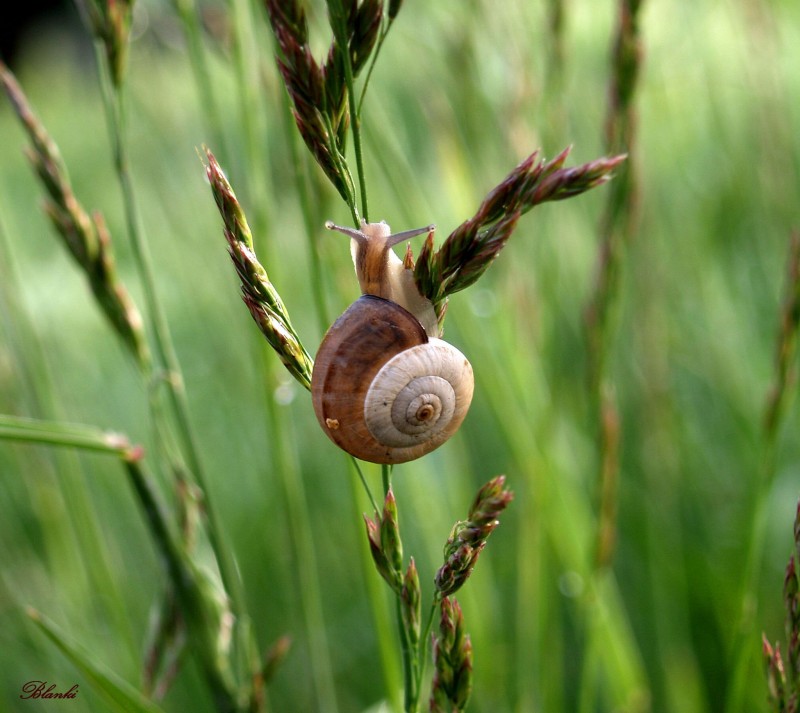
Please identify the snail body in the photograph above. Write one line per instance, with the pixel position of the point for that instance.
(383, 389)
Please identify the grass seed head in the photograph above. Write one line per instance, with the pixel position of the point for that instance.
(452, 660)
(259, 294)
(86, 237)
(471, 248)
(468, 537)
(110, 22)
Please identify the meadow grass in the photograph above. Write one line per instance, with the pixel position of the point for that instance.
(460, 94)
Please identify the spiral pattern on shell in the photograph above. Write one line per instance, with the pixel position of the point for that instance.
(382, 390)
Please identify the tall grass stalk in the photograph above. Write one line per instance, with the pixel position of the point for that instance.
(338, 18)
(188, 12)
(301, 525)
(744, 643)
(248, 67)
(617, 228)
(114, 103)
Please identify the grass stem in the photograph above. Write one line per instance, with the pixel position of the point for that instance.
(114, 104)
(744, 643)
(193, 31)
(56, 433)
(300, 523)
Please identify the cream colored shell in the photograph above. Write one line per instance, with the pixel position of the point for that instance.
(419, 396)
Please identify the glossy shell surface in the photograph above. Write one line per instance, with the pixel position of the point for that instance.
(382, 390)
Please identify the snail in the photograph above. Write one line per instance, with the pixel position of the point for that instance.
(385, 388)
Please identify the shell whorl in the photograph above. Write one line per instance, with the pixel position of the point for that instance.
(419, 396)
(382, 390)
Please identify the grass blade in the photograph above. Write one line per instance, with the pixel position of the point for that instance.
(120, 696)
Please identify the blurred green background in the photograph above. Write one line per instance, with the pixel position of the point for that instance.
(461, 93)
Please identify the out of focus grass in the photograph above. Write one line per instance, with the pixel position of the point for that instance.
(462, 92)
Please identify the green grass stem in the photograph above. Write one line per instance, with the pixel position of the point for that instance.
(745, 648)
(300, 519)
(209, 108)
(55, 433)
(114, 104)
(311, 217)
(339, 26)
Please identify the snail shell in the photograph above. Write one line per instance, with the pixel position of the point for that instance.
(382, 389)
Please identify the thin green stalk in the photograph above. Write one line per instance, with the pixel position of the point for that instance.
(113, 101)
(57, 433)
(355, 125)
(422, 657)
(744, 646)
(339, 27)
(115, 112)
(310, 222)
(193, 31)
(378, 602)
(386, 478)
(365, 484)
(300, 524)
(409, 660)
(616, 231)
(372, 63)
(247, 67)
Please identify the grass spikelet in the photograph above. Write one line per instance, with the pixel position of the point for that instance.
(411, 604)
(258, 293)
(323, 97)
(452, 660)
(385, 544)
(110, 22)
(86, 238)
(469, 250)
(316, 92)
(468, 537)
